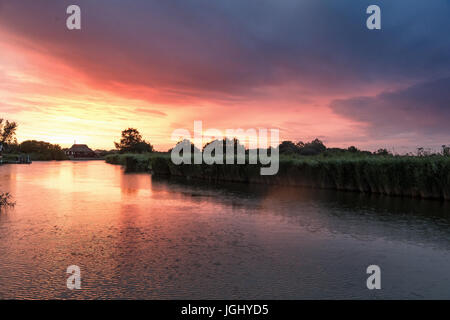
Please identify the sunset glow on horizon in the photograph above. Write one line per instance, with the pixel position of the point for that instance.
(135, 67)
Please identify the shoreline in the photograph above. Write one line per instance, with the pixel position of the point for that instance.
(72, 160)
(406, 176)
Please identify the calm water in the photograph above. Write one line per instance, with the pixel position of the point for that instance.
(135, 236)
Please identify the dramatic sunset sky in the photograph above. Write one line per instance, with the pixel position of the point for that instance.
(308, 67)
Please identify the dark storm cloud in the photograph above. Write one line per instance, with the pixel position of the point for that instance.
(422, 109)
(220, 48)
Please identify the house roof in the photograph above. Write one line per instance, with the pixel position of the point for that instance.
(80, 148)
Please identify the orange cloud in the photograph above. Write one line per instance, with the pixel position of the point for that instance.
(54, 102)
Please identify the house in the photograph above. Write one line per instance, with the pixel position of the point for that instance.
(80, 151)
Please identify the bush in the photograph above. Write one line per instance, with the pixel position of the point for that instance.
(312, 148)
(5, 200)
(40, 150)
(288, 147)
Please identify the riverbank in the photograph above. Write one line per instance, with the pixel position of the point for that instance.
(15, 157)
(421, 177)
(24, 158)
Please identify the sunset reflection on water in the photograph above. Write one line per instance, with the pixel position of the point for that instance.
(135, 236)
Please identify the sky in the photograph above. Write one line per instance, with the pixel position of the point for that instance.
(309, 68)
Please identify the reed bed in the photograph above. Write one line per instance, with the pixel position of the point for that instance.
(423, 177)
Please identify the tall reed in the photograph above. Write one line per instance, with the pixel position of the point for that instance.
(424, 177)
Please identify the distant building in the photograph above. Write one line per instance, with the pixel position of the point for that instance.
(80, 151)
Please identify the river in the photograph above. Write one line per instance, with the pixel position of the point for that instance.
(137, 237)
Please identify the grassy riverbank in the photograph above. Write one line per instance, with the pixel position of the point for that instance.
(425, 177)
(135, 162)
(12, 157)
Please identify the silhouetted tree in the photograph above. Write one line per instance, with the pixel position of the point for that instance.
(132, 142)
(41, 150)
(7, 133)
(313, 148)
(382, 152)
(288, 147)
(186, 142)
(231, 143)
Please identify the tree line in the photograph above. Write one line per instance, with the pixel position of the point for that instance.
(132, 142)
(39, 150)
